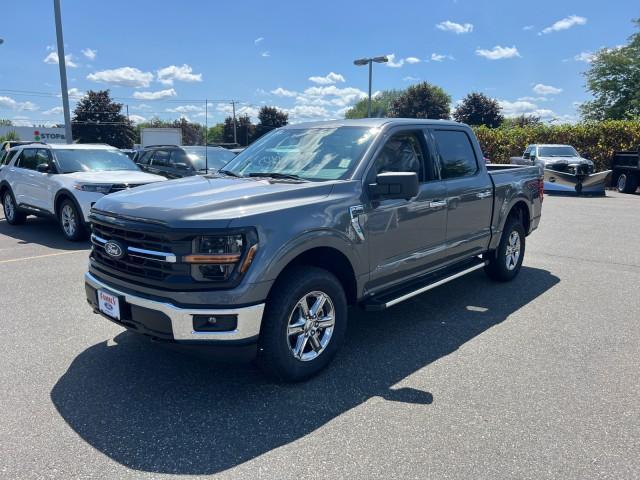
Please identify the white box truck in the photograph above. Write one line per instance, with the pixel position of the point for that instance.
(160, 136)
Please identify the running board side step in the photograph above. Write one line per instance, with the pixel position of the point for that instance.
(422, 284)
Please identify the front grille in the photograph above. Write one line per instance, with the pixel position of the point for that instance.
(118, 187)
(140, 262)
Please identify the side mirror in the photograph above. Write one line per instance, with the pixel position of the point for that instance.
(395, 185)
(526, 156)
(43, 168)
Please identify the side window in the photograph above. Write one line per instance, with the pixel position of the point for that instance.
(42, 156)
(179, 156)
(161, 158)
(403, 152)
(27, 159)
(143, 158)
(457, 158)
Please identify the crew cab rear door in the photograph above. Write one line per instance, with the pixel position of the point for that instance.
(469, 192)
(405, 237)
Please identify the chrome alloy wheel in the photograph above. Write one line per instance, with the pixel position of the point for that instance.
(69, 220)
(9, 207)
(512, 253)
(310, 326)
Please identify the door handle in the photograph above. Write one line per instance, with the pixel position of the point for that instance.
(437, 204)
(484, 194)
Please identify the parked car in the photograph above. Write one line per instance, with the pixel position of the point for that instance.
(173, 161)
(64, 181)
(4, 150)
(626, 170)
(564, 169)
(263, 257)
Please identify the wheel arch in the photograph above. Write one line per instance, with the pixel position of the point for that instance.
(63, 195)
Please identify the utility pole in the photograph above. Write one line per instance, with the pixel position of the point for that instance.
(128, 119)
(63, 72)
(235, 138)
(206, 136)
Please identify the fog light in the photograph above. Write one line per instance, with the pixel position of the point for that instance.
(215, 323)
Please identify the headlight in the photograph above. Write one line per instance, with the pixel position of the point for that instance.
(219, 257)
(98, 188)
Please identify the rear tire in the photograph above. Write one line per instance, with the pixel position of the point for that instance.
(11, 212)
(70, 221)
(505, 263)
(298, 336)
(627, 183)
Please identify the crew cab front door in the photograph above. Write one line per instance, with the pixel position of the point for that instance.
(469, 193)
(405, 237)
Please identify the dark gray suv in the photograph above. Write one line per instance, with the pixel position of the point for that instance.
(264, 256)
(174, 161)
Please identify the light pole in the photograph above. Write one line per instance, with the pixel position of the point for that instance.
(63, 72)
(369, 61)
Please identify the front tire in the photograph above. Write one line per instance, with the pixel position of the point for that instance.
(11, 212)
(70, 222)
(505, 263)
(627, 183)
(304, 324)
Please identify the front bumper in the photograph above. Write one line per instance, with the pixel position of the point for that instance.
(166, 321)
(564, 182)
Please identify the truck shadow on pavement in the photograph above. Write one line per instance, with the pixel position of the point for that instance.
(40, 231)
(160, 410)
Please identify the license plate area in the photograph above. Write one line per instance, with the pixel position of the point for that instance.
(109, 304)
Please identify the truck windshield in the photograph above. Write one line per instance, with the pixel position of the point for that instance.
(315, 154)
(564, 151)
(86, 160)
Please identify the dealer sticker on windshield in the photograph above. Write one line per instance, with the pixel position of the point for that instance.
(109, 304)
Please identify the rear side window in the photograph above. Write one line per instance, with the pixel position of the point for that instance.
(28, 159)
(457, 158)
(143, 158)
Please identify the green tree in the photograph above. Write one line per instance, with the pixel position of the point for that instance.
(380, 105)
(522, 121)
(245, 130)
(10, 136)
(270, 118)
(98, 119)
(216, 133)
(478, 109)
(5, 122)
(614, 81)
(192, 133)
(422, 100)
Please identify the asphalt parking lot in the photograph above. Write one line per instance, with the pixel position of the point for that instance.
(538, 378)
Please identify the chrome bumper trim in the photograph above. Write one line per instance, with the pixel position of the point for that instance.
(249, 318)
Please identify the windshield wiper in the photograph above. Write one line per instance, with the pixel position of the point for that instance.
(230, 173)
(287, 176)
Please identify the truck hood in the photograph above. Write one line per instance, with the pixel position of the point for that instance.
(117, 176)
(180, 203)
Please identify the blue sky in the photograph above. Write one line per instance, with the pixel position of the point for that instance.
(165, 58)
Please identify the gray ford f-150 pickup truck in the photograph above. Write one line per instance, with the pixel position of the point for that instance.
(264, 256)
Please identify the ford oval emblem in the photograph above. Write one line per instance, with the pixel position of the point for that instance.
(114, 249)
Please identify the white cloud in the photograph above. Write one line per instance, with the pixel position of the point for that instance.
(186, 109)
(307, 112)
(143, 107)
(409, 78)
(53, 111)
(136, 118)
(457, 28)
(258, 40)
(392, 61)
(21, 121)
(498, 52)
(412, 60)
(266, 54)
(328, 79)
(528, 27)
(520, 107)
(283, 92)
(533, 99)
(157, 95)
(330, 95)
(438, 57)
(542, 89)
(89, 53)
(168, 75)
(227, 109)
(52, 59)
(123, 76)
(564, 24)
(51, 48)
(11, 104)
(586, 57)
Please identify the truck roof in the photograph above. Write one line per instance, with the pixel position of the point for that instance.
(70, 146)
(370, 122)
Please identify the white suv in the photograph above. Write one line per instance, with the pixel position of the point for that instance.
(64, 181)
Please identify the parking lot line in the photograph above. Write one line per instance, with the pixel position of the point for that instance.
(41, 256)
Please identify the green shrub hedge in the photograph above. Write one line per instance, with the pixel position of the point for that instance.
(595, 140)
